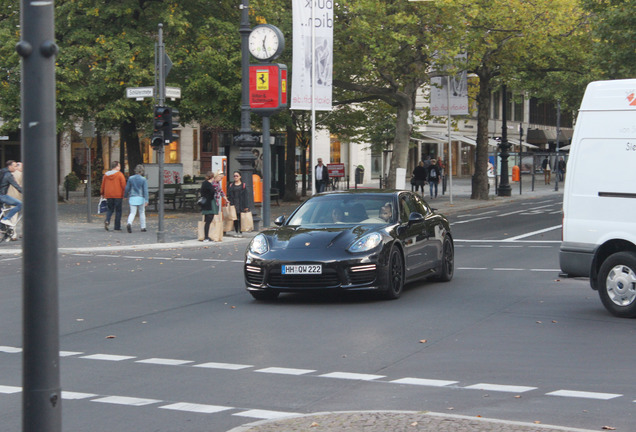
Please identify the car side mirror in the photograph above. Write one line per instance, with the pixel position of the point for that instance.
(280, 220)
(415, 217)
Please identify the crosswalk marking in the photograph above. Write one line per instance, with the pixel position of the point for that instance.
(500, 388)
(265, 414)
(584, 394)
(164, 361)
(10, 350)
(10, 389)
(424, 382)
(107, 357)
(77, 395)
(352, 376)
(285, 371)
(124, 400)
(198, 408)
(229, 366)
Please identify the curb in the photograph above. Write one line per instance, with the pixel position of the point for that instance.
(415, 420)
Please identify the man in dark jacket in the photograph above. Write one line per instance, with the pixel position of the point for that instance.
(7, 179)
(322, 176)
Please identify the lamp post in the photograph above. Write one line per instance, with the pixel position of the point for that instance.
(504, 186)
(556, 159)
(246, 140)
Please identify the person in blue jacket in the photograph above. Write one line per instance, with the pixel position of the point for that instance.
(137, 193)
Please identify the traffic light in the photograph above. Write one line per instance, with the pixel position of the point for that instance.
(157, 141)
(163, 122)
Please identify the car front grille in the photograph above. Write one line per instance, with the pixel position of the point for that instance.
(328, 279)
(254, 275)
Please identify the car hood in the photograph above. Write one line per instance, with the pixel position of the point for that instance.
(295, 237)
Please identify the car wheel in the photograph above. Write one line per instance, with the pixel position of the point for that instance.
(617, 284)
(447, 268)
(395, 275)
(265, 295)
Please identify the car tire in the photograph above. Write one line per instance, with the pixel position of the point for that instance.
(265, 295)
(395, 275)
(617, 284)
(447, 267)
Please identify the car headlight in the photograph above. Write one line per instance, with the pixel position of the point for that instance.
(366, 243)
(259, 245)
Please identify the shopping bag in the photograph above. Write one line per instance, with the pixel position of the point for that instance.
(228, 225)
(247, 223)
(216, 228)
(229, 212)
(102, 206)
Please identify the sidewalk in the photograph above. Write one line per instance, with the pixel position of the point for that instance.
(75, 234)
(395, 421)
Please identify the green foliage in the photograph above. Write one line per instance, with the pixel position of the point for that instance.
(71, 181)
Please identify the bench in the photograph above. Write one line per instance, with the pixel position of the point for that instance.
(274, 195)
(171, 193)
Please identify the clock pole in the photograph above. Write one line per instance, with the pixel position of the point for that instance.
(246, 139)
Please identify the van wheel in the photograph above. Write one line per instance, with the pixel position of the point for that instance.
(617, 284)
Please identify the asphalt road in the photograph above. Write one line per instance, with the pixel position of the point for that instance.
(169, 340)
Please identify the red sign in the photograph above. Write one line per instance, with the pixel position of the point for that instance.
(336, 170)
(268, 87)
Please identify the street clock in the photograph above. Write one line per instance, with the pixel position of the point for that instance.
(266, 42)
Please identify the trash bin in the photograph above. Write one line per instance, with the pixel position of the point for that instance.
(515, 173)
(359, 174)
(257, 186)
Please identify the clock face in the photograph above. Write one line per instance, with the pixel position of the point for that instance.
(265, 42)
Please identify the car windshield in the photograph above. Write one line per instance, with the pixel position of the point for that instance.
(337, 209)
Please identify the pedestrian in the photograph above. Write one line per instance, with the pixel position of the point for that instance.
(547, 170)
(434, 175)
(420, 175)
(560, 168)
(237, 196)
(113, 187)
(212, 191)
(15, 193)
(321, 175)
(7, 179)
(137, 193)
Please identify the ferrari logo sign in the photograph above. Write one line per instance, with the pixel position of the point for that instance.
(262, 80)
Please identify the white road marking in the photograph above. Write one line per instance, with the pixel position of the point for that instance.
(132, 257)
(198, 408)
(265, 414)
(507, 269)
(352, 376)
(533, 233)
(124, 400)
(479, 214)
(76, 395)
(584, 394)
(482, 246)
(500, 388)
(424, 382)
(70, 353)
(164, 361)
(470, 220)
(107, 357)
(228, 366)
(472, 268)
(10, 389)
(285, 371)
(10, 350)
(511, 213)
(545, 270)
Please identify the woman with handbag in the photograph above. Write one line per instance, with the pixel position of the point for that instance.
(237, 196)
(211, 196)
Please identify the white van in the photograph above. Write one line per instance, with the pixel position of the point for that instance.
(599, 198)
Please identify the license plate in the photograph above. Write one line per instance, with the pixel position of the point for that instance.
(300, 269)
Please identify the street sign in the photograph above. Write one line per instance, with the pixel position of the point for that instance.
(139, 92)
(173, 92)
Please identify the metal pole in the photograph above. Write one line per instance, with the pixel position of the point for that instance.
(313, 102)
(89, 186)
(450, 144)
(161, 97)
(267, 171)
(558, 132)
(41, 391)
(504, 186)
(246, 140)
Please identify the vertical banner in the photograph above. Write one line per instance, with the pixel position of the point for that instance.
(458, 95)
(302, 65)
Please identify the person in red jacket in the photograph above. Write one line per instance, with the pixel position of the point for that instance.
(113, 187)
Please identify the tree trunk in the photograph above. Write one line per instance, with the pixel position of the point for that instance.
(131, 139)
(290, 166)
(480, 178)
(399, 158)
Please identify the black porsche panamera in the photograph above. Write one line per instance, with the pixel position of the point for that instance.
(362, 240)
